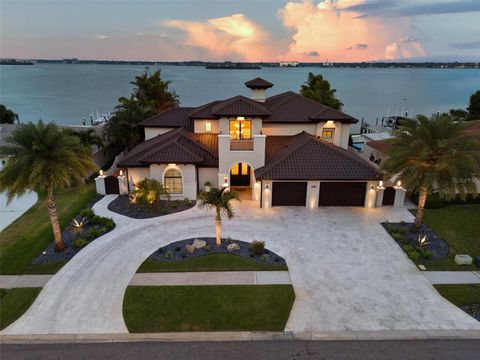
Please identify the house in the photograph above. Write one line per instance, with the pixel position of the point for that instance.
(282, 150)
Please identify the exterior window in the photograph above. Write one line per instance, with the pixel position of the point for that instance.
(244, 169)
(327, 134)
(208, 127)
(240, 129)
(235, 169)
(173, 181)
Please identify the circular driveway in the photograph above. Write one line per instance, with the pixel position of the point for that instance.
(348, 274)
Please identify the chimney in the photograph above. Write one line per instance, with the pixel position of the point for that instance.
(258, 87)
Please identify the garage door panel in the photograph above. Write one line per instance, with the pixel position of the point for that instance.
(289, 193)
(342, 194)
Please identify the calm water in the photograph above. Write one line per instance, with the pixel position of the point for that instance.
(65, 93)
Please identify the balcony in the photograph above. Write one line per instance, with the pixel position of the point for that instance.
(241, 145)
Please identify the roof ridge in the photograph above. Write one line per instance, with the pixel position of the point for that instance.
(189, 134)
(282, 101)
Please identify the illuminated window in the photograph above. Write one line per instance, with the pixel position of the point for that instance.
(173, 181)
(244, 169)
(208, 127)
(240, 129)
(327, 133)
(235, 170)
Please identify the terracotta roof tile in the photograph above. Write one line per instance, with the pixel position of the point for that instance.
(239, 106)
(305, 157)
(176, 117)
(379, 145)
(258, 83)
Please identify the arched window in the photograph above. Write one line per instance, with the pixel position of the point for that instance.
(173, 181)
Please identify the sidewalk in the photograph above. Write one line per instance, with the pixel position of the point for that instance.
(453, 277)
(170, 279)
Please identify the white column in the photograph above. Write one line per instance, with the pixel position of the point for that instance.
(380, 192)
(122, 184)
(100, 185)
(313, 189)
(267, 194)
(399, 196)
(371, 194)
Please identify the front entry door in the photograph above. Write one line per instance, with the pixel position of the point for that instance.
(240, 175)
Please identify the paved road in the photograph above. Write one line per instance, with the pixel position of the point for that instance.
(275, 350)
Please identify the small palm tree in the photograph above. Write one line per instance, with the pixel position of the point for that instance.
(318, 89)
(43, 157)
(434, 155)
(88, 138)
(219, 199)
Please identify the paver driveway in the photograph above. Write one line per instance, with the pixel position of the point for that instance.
(347, 273)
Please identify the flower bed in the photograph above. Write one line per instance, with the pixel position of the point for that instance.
(84, 229)
(473, 310)
(410, 241)
(180, 250)
(123, 206)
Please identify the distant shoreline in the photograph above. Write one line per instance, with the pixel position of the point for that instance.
(254, 65)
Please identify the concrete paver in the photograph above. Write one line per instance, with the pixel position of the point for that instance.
(452, 277)
(347, 273)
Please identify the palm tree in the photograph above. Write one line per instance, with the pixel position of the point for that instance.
(87, 137)
(318, 89)
(220, 200)
(43, 157)
(434, 155)
(7, 116)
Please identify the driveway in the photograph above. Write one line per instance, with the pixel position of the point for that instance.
(346, 271)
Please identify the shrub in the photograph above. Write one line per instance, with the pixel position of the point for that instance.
(87, 213)
(148, 191)
(425, 254)
(92, 234)
(257, 247)
(168, 255)
(413, 255)
(178, 248)
(174, 205)
(187, 202)
(408, 248)
(78, 225)
(208, 247)
(80, 242)
(264, 257)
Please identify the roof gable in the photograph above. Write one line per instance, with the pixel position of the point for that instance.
(239, 105)
(258, 83)
(176, 117)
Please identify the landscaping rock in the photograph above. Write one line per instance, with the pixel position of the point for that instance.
(199, 244)
(233, 247)
(463, 259)
(190, 249)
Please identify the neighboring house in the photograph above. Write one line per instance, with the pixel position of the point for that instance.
(279, 150)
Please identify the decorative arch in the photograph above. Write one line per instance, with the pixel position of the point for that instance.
(173, 180)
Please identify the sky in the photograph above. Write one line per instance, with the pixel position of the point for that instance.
(246, 30)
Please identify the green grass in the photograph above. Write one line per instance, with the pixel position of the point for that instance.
(214, 262)
(27, 236)
(14, 302)
(458, 225)
(460, 295)
(207, 308)
(45, 269)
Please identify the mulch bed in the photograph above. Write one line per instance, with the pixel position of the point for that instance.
(472, 310)
(122, 205)
(176, 251)
(438, 247)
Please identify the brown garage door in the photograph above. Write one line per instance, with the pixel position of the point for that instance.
(289, 193)
(342, 194)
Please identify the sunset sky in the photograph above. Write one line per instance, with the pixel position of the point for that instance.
(296, 30)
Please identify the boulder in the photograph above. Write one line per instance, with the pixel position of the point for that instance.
(190, 249)
(463, 259)
(199, 244)
(233, 247)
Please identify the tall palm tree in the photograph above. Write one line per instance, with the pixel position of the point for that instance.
(219, 199)
(7, 116)
(318, 89)
(434, 155)
(43, 157)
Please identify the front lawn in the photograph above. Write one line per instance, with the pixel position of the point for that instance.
(214, 262)
(466, 297)
(14, 302)
(459, 226)
(27, 236)
(207, 308)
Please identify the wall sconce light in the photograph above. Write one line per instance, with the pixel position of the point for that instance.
(240, 117)
(371, 187)
(266, 187)
(380, 183)
(399, 183)
(101, 172)
(121, 172)
(172, 164)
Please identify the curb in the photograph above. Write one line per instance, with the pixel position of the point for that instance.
(244, 336)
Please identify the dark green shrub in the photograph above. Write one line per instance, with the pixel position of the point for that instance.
(257, 247)
(178, 248)
(168, 255)
(187, 202)
(408, 248)
(208, 248)
(413, 255)
(174, 205)
(92, 234)
(264, 257)
(80, 242)
(87, 213)
(425, 254)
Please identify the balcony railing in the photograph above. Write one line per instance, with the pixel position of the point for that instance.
(241, 145)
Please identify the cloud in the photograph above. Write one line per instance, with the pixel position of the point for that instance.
(233, 37)
(465, 45)
(396, 8)
(404, 48)
(313, 53)
(102, 37)
(327, 28)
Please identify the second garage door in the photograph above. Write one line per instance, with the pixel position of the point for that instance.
(289, 193)
(342, 194)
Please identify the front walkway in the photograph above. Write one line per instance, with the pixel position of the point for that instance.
(347, 273)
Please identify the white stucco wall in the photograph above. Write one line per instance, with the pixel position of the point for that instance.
(367, 151)
(258, 95)
(266, 194)
(313, 191)
(288, 129)
(199, 126)
(371, 194)
(157, 172)
(207, 174)
(135, 175)
(152, 132)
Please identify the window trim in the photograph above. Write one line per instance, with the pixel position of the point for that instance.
(208, 127)
(329, 130)
(180, 176)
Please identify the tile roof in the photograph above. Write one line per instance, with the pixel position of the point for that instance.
(258, 83)
(175, 146)
(239, 106)
(176, 117)
(305, 157)
(379, 145)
